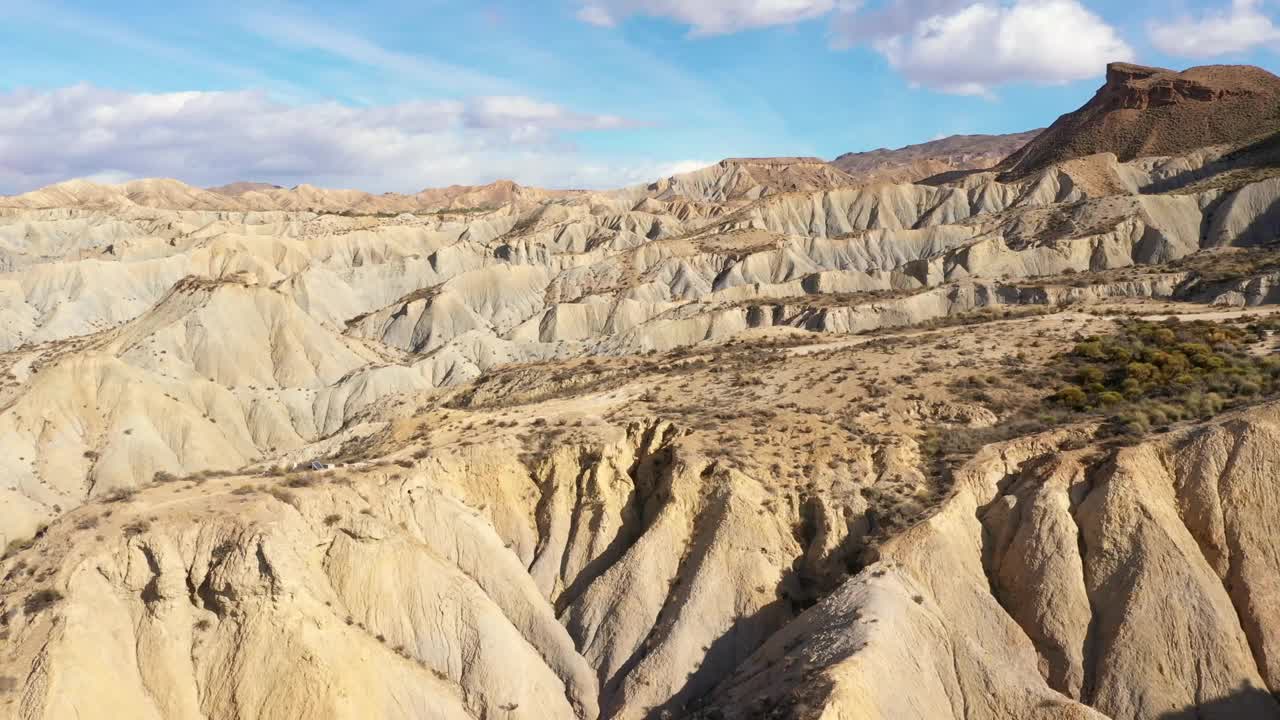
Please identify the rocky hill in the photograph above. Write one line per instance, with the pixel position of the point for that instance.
(916, 163)
(762, 440)
(750, 179)
(239, 188)
(1152, 112)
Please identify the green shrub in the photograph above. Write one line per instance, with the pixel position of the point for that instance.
(1092, 350)
(1072, 396)
(1150, 374)
(1091, 374)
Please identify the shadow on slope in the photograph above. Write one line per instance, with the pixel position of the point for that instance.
(1249, 163)
(1247, 703)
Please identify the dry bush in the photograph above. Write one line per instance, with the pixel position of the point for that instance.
(303, 481)
(120, 495)
(284, 496)
(41, 600)
(136, 527)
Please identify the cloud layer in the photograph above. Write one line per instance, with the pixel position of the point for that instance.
(213, 137)
(971, 48)
(958, 46)
(1235, 29)
(709, 17)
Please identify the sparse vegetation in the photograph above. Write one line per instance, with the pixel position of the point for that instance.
(17, 545)
(136, 527)
(302, 481)
(120, 495)
(41, 600)
(1222, 264)
(285, 496)
(1148, 375)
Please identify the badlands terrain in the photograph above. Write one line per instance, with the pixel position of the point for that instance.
(927, 433)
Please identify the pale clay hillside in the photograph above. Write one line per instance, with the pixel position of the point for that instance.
(931, 434)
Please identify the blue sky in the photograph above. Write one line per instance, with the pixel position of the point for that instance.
(597, 93)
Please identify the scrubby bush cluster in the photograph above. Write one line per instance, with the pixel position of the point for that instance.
(1220, 265)
(1147, 375)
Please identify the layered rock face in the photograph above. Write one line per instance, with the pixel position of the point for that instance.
(303, 322)
(1144, 111)
(761, 440)
(641, 578)
(1134, 581)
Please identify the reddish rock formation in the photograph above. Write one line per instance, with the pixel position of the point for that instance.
(1144, 111)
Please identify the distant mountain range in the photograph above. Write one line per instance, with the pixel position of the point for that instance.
(916, 163)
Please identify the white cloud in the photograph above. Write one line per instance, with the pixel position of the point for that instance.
(208, 138)
(680, 168)
(970, 48)
(596, 15)
(710, 17)
(514, 111)
(1236, 29)
(959, 46)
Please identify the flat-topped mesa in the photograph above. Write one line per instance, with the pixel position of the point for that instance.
(1122, 73)
(1154, 112)
(1137, 87)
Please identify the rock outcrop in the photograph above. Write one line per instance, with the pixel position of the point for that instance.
(1144, 112)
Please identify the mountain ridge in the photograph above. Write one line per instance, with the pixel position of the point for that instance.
(1151, 112)
(918, 162)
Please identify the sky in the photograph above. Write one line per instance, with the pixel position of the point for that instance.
(406, 94)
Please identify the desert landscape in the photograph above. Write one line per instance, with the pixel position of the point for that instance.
(985, 427)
